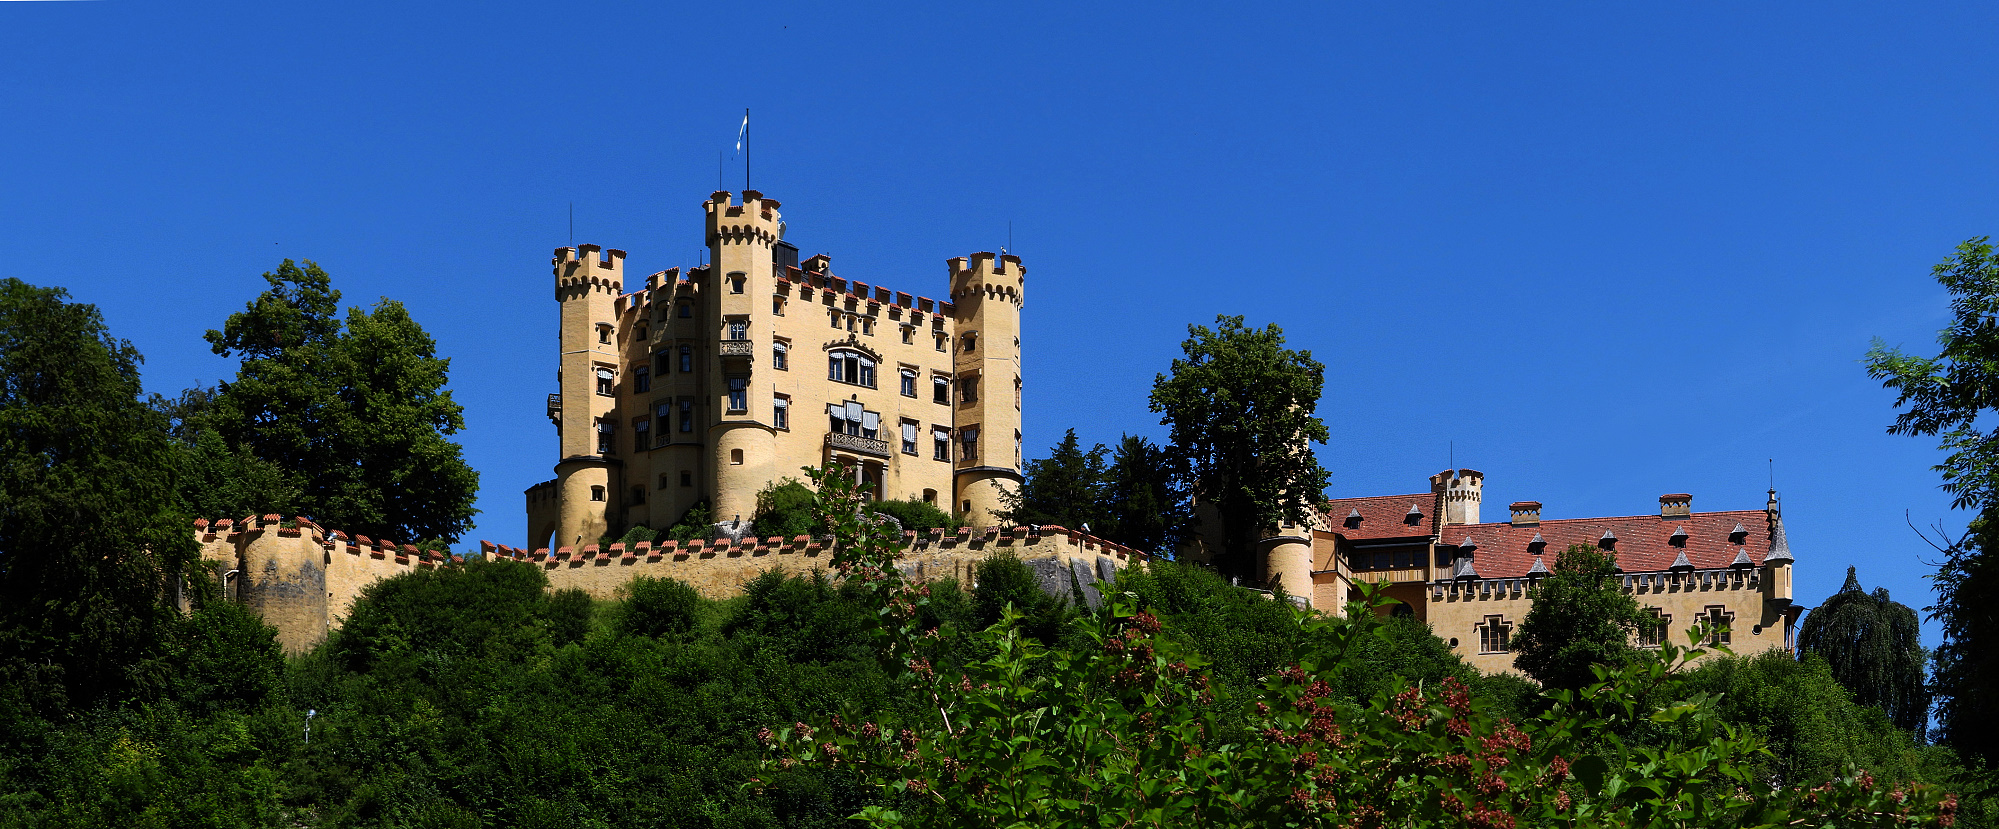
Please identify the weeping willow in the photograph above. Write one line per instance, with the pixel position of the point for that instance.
(1874, 646)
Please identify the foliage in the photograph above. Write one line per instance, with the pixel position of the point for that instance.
(357, 414)
(1126, 495)
(1064, 489)
(916, 516)
(635, 534)
(89, 536)
(1579, 619)
(697, 522)
(657, 607)
(1813, 727)
(481, 607)
(784, 508)
(1002, 581)
(1874, 648)
(1946, 396)
(1240, 407)
(225, 658)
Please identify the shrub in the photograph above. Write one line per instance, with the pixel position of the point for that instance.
(657, 607)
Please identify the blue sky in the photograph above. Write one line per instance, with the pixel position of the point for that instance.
(1607, 252)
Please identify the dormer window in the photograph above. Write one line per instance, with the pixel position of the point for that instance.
(1415, 515)
(1353, 518)
(1678, 538)
(1608, 541)
(1737, 535)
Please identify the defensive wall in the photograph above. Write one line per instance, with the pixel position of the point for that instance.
(303, 579)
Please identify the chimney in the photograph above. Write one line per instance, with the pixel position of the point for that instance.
(1676, 505)
(1526, 513)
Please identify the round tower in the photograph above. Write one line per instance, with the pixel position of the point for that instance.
(588, 280)
(986, 298)
(284, 581)
(1287, 562)
(1460, 490)
(741, 282)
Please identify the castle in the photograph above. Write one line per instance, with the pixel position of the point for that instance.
(705, 387)
(1473, 581)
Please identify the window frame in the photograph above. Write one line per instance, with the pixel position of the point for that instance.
(1495, 634)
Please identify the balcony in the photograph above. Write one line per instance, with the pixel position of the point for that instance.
(857, 444)
(555, 409)
(737, 348)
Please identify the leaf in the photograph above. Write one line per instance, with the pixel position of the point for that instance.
(1589, 771)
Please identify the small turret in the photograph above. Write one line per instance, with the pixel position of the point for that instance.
(588, 281)
(1461, 490)
(1777, 562)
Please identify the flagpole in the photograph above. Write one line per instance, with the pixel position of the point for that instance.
(746, 148)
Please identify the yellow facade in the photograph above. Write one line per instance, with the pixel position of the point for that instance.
(713, 384)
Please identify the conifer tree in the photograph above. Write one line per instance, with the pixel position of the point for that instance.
(1874, 648)
(1141, 505)
(90, 539)
(1064, 489)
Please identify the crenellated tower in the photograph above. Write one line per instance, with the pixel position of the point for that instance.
(986, 297)
(1460, 491)
(588, 281)
(744, 278)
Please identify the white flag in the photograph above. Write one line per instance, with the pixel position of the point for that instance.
(742, 131)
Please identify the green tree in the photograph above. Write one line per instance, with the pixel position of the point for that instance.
(1874, 648)
(1142, 508)
(1240, 406)
(357, 414)
(1579, 619)
(1064, 489)
(90, 539)
(912, 514)
(1946, 396)
(784, 508)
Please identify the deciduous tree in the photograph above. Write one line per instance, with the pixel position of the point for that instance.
(1579, 619)
(1241, 409)
(1947, 396)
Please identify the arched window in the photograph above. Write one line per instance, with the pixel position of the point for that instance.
(735, 457)
(851, 367)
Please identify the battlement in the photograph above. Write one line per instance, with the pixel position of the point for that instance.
(719, 568)
(586, 268)
(754, 220)
(808, 281)
(994, 276)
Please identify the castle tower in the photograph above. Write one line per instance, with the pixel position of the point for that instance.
(1777, 561)
(743, 438)
(1287, 561)
(986, 297)
(588, 280)
(1460, 490)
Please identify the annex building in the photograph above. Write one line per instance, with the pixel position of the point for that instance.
(1473, 580)
(706, 386)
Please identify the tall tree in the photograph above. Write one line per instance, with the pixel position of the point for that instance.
(1579, 618)
(1946, 396)
(1142, 508)
(1240, 406)
(218, 479)
(89, 537)
(1064, 488)
(357, 414)
(1874, 647)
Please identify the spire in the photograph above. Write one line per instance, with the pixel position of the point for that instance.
(1540, 567)
(1741, 559)
(1680, 562)
(1780, 548)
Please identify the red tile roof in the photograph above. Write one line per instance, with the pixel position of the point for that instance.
(1382, 516)
(1643, 541)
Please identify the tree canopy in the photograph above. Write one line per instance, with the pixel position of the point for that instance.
(1241, 409)
(1946, 396)
(1874, 648)
(90, 538)
(356, 414)
(1579, 619)
(1126, 494)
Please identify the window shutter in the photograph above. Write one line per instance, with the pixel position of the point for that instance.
(871, 420)
(837, 411)
(853, 410)
(780, 347)
(606, 374)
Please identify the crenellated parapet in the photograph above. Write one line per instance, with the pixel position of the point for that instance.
(586, 269)
(985, 275)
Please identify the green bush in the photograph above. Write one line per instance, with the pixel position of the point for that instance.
(917, 515)
(227, 658)
(657, 607)
(784, 508)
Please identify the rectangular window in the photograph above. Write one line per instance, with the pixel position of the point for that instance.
(940, 444)
(777, 306)
(607, 437)
(940, 342)
(780, 353)
(739, 330)
(687, 415)
(909, 382)
(868, 326)
(908, 334)
(871, 424)
(850, 367)
(780, 412)
(638, 496)
(641, 434)
(968, 388)
(641, 379)
(909, 437)
(1495, 636)
(686, 478)
(848, 418)
(735, 283)
(968, 440)
(664, 414)
(940, 390)
(662, 364)
(739, 396)
(662, 480)
(834, 318)
(607, 382)
(686, 359)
